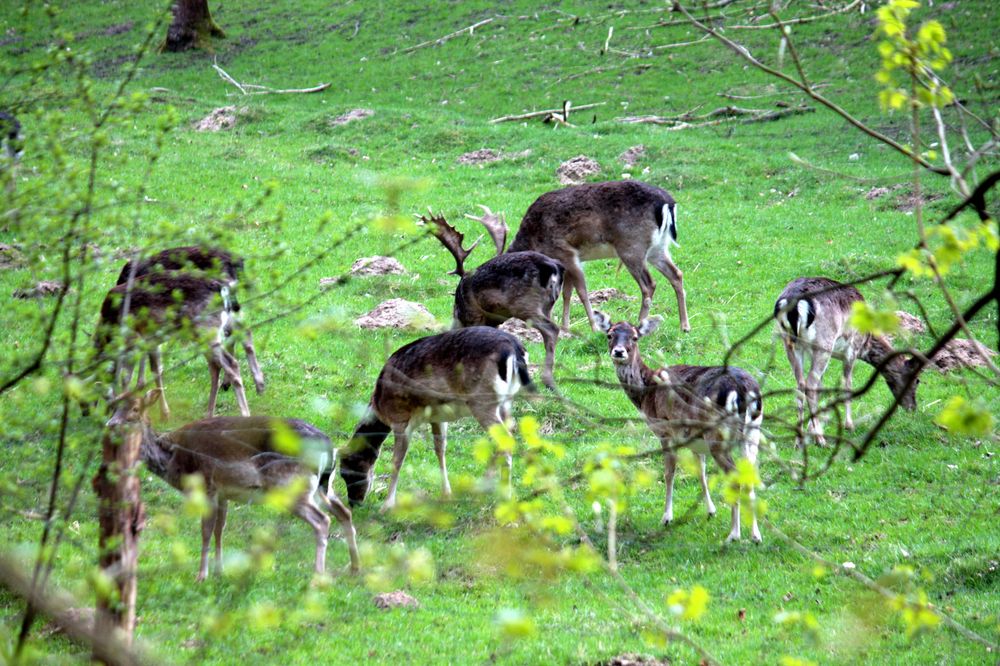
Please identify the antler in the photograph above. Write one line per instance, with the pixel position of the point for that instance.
(495, 224)
(451, 238)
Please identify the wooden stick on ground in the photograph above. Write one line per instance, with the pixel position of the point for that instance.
(253, 89)
(546, 112)
(718, 117)
(442, 40)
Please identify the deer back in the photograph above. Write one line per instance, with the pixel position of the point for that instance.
(595, 220)
(517, 284)
(456, 366)
(202, 261)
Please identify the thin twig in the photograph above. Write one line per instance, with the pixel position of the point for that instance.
(546, 112)
(442, 40)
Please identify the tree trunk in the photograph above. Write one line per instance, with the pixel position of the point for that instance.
(121, 517)
(192, 27)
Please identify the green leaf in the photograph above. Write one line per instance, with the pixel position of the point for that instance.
(965, 418)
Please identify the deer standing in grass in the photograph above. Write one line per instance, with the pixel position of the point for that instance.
(211, 263)
(627, 219)
(813, 320)
(524, 285)
(707, 409)
(239, 458)
(473, 371)
(160, 305)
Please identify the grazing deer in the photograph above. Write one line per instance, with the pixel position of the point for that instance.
(627, 219)
(238, 459)
(812, 317)
(158, 305)
(213, 263)
(473, 371)
(715, 408)
(524, 285)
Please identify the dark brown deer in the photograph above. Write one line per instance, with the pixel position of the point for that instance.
(238, 459)
(708, 409)
(473, 371)
(524, 285)
(813, 318)
(627, 219)
(212, 263)
(161, 305)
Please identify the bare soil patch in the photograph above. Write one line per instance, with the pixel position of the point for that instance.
(219, 119)
(351, 116)
(10, 256)
(520, 330)
(577, 169)
(398, 313)
(40, 290)
(377, 266)
(634, 660)
(600, 296)
(488, 155)
(908, 322)
(633, 155)
(961, 353)
(397, 599)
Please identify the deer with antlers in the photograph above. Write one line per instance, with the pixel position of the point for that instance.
(633, 221)
(522, 285)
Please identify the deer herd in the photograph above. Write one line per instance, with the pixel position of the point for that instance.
(475, 369)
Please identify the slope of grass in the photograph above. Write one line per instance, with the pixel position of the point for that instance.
(750, 219)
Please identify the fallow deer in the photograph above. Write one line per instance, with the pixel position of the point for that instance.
(209, 262)
(708, 409)
(238, 458)
(633, 221)
(473, 371)
(813, 320)
(524, 285)
(160, 305)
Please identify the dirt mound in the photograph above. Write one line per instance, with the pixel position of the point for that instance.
(482, 156)
(351, 116)
(577, 169)
(634, 660)
(907, 202)
(632, 156)
(377, 266)
(876, 193)
(600, 296)
(396, 599)
(961, 353)
(219, 119)
(520, 330)
(10, 256)
(40, 290)
(908, 322)
(397, 313)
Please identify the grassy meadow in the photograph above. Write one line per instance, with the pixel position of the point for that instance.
(752, 216)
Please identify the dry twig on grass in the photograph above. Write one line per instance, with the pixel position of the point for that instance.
(441, 40)
(562, 113)
(718, 117)
(253, 89)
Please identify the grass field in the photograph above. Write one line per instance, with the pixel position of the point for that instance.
(751, 218)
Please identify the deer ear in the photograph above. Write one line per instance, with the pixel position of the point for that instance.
(602, 321)
(650, 324)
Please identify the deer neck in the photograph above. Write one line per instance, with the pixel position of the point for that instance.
(636, 379)
(875, 350)
(154, 451)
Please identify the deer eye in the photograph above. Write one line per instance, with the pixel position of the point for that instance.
(635, 338)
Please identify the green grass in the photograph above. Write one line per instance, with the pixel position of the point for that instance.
(750, 220)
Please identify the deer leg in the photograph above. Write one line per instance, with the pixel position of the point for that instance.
(673, 274)
(229, 365)
(320, 522)
(721, 454)
(220, 524)
(646, 285)
(213, 370)
(207, 527)
(669, 467)
(704, 487)
(251, 354)
(575, 279)
(848, 377)
(795, 359)
(550, 333)
(400, 444)
(343, 516)
(440, 431)
(751, 443)
(488, 415)
(814, 382)
(156, 365)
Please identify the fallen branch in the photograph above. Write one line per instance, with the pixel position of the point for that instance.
(442, 40)
(253, 89)
(797, 21)
(718, 117)
(547, 112)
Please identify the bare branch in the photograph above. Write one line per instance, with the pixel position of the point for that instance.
(453, 35)
(546, 112)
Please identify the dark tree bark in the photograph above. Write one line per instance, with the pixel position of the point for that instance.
(121, 516)
(192, 27)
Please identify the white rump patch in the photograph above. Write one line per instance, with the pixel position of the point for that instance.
(732, 402)
(659, 244)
